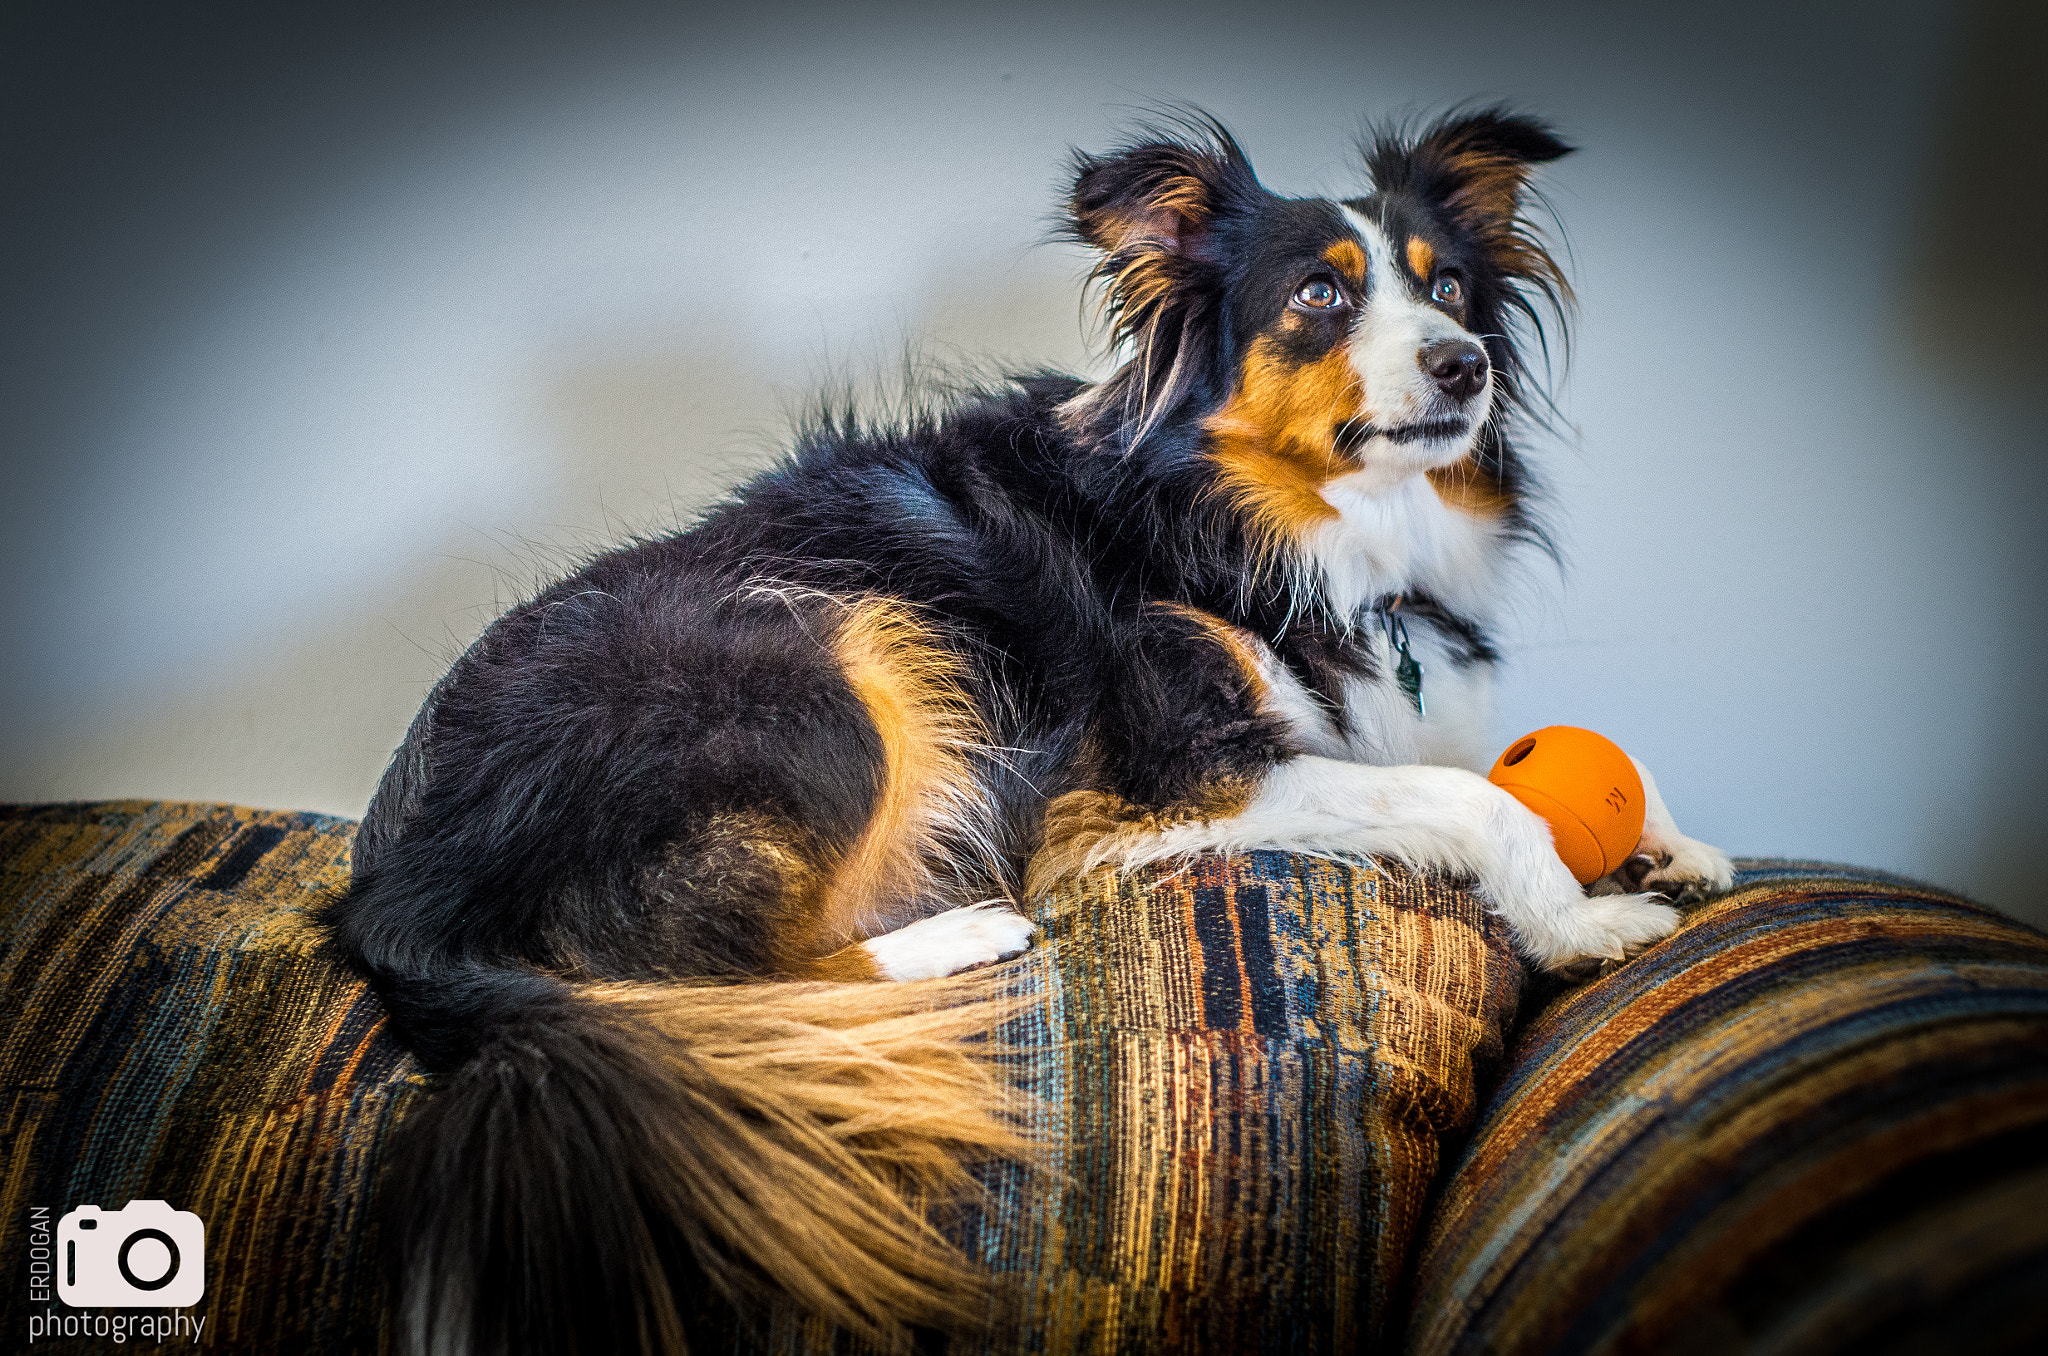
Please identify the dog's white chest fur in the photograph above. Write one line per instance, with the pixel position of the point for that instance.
(1397, 539)
(1401, 538)
(1380, 724)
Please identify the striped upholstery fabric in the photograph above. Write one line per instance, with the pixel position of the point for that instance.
(1253, 1060)
(1816, 1120)
(1248, 1063)
(168, 1032)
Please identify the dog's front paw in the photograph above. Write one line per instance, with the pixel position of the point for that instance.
(1556, 925)
(1612, 929)
(1683, 870)
(947, 943)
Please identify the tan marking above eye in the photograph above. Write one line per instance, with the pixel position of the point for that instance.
(1347, 258)
(1421, 256)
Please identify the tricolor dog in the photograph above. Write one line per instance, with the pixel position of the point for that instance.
(1239, 595)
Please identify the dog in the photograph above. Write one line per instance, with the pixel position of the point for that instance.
(1238, 595)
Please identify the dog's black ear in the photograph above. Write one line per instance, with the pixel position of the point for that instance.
(1155, 199)
(1475, 167)
(1153, 209)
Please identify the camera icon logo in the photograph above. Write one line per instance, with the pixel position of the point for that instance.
(143, 1256)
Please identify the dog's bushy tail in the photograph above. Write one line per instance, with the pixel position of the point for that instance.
(612, 1152)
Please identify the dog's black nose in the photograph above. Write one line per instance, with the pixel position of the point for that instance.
(1457, 365)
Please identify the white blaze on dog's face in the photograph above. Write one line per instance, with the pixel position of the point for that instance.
(1425, 382)
(1352, 437)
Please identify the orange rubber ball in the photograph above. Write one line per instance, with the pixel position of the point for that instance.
(1584, 787)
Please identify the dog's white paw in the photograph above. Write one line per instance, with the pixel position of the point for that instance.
(1557, 926)
(1683, 870)
(1693, 871)
(1596, 933)
(949, 942)
(1621, 925)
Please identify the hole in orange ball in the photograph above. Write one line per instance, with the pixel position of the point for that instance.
(1518, 752)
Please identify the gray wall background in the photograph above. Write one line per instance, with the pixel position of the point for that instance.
(324, 337)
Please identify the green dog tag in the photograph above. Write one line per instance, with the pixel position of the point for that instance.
(1408, 673)
(1408, 670)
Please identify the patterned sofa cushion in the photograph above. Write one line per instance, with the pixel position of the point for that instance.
(1815, 1120)
(1247, 1066)
(168, 1032)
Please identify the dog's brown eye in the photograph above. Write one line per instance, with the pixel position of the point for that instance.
(1317, 295)
(1448, 289)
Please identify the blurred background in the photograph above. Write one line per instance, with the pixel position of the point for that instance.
(326, 335)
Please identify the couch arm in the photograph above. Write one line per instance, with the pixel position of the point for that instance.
(1814, 1120)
